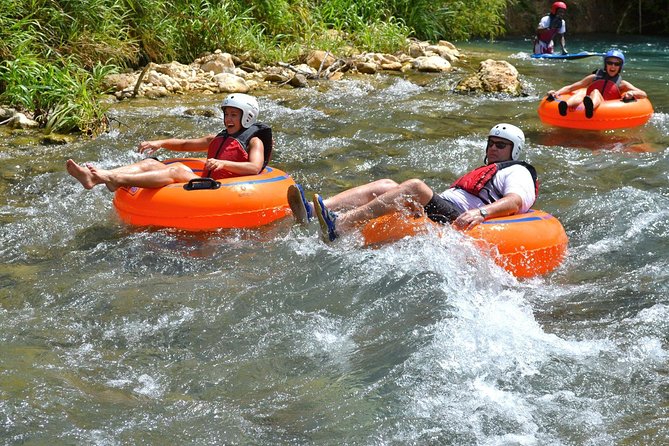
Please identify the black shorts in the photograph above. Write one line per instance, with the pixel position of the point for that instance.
(441, 210)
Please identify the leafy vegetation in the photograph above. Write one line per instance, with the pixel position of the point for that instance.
(54, 53)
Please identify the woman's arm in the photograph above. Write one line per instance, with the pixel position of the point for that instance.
(575, 86)
(629, 91)
(177, 145)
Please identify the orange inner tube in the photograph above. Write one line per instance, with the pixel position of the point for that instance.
(525, 245)
(611, 114)
(240, 202)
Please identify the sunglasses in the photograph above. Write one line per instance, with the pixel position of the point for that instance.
(613, 62)
(499, 145)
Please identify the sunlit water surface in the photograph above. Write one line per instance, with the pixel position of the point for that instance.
(115, 335)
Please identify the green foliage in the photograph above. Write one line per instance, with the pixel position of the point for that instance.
(63, 96)
(53, 52)
(383, 37)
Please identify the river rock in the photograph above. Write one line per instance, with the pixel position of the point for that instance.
(6, 114)
(54, 139)
(366, 67)
(21, 121)
(493, 76)
(222, 72)
(119, 82)
(229, 83)
(216, 63)
(174, 70)
(250, 67)
(299, 81)
(445, 50)
(431, 64)
(320, 59)
(156, 92)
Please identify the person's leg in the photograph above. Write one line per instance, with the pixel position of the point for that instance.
(591, 102)
(158, 177)
(86, 178)
(359, 195)
(412, 194)
(575, 100)
(597, 98)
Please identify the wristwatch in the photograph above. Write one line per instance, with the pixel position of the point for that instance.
(483, 213)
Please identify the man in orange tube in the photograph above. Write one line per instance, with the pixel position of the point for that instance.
(503, 186)
(551, 26)
(242, 148)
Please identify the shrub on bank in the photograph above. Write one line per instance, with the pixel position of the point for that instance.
(53, 54)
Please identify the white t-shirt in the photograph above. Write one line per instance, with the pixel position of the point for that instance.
(546, 21)
(514, 179)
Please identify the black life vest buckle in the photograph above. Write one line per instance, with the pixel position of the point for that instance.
(202, 183)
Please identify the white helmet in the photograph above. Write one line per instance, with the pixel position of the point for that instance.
(247, 104)
(513, 134)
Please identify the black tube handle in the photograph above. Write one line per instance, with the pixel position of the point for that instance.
(202, 183)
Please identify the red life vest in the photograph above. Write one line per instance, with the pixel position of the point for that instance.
(479, 181)
(235, 148)
(546, 35)
(609, 87)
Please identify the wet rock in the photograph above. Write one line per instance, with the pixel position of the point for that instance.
(229, 83)
(366, 67)
(276, 78)
(205, 113)
(431, 64)
(156, 92)
(416, 49)
(21, 121)
(216, 63)
(250, 67)
(299, 81)
(221, 72)
(6, 114)
(119, 82)
(53, 139)
(444, 51)
(320, 59)
(493, 76)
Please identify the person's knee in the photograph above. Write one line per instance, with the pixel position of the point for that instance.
(418, 189)
(595, 95)
(151, 164)
(179, 175)
(384, 185)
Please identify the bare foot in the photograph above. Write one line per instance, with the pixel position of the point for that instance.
(81, 173)
(103, 176)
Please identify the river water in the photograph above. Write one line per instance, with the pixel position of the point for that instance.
(114, 335)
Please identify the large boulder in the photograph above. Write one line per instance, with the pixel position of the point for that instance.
(493, 76)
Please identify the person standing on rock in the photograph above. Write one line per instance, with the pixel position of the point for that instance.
(551, 26)
(243, 148)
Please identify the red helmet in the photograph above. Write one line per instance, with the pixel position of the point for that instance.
(556, 6)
